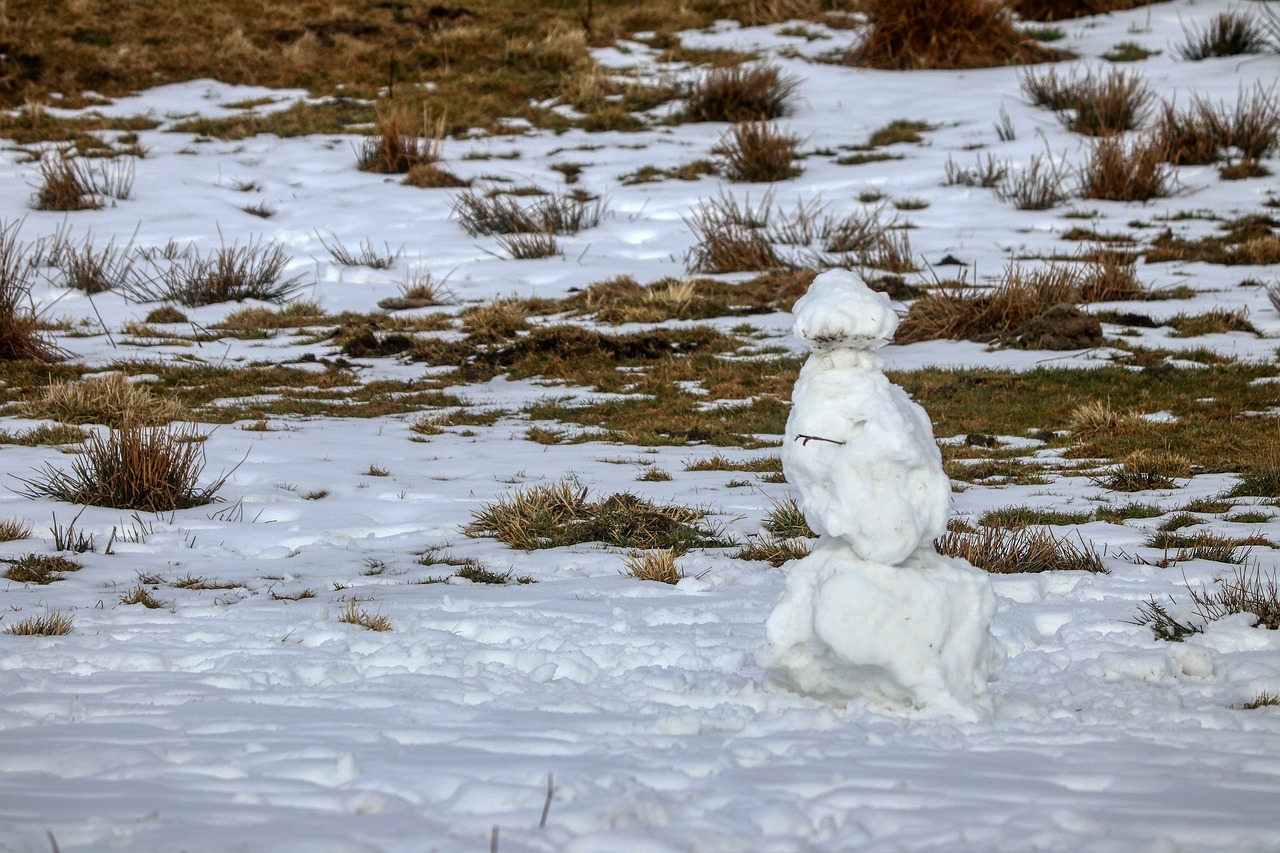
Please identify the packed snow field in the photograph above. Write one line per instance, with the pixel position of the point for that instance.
(590, 711)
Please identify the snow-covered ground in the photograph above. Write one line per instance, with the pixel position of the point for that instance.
(247, 719)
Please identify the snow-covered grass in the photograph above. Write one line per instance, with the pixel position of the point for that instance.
(254, 709)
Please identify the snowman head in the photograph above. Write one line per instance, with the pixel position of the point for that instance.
(841, 312)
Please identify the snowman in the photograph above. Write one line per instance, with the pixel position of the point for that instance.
(874, 613)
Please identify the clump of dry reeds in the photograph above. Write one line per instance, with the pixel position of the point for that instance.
(1060, 10)
(744, 92)
(152, 469)
(20, 335)
(1027, 549)
(907, 34)
(756, 151)
(1126, 171)
(961, 312)
(1101, 104)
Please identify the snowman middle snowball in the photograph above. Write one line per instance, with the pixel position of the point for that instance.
(860, 453)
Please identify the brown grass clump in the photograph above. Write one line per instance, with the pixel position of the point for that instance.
(1245, 592)
(1126, 171)
(134, 467)
(756, 151)
(773, 550)
(1095, 104)
(1043, 184)
(732, 238)
(562, 514)
(1061, 10)
(959, 312)
(398, 143)
(1026, 549)
(1145, 470)
(112, 400)
(1097, 418)
(54, 624)
(1205, 132)
(20, 335)
(656, 565)
(911, 34)
(354, 614)
(39, 568)
(1250, 240)
(744, 92)
(1230, 33)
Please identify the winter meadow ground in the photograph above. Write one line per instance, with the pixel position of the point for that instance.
(437, 429)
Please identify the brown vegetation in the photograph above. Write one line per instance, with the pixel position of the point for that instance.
(909, 34)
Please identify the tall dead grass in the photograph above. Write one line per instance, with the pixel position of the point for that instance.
(20, 334)
(756, 151)
(913, 34)
(152, 469)
(961, 312)
(1135, 170)
(744, 92)
(1095, 104)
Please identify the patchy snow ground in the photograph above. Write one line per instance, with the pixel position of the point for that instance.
(239, 720)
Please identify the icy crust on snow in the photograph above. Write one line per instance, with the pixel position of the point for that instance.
(900, 637)
(874, 613)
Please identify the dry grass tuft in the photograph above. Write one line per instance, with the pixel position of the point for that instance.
(94, 270)
(112, 400)
(1026, 549)
(1060, 10)
(141, 594)
(20, 335)
(1097, 418)
(773, 550)
(959, 312)
(1245, 591)
(743, 92)
(1126, 171)
(419, 290)
(230, 273)
(151, 469)
(1230, 33)
(561, 514)
(1144, 470)
(1043, 184)
(755, 151)
(14, 528)
(357, 615)
(911, 34)
(367, 256)
(1205, 132)
(1261, 478)
(501, 213)
(1262, 700)
(529, 246)
(1102, 104)
(39, 568)
(398, 143)
(655, 565)
(732, 238)
(54, 624)
(787, 521)
(71, 183)
(499, 320)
